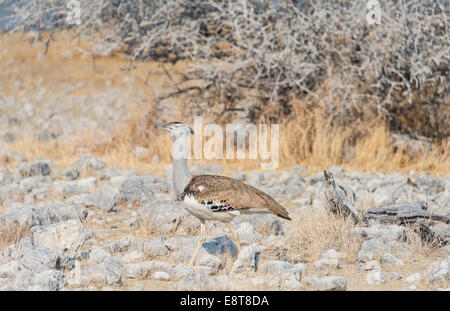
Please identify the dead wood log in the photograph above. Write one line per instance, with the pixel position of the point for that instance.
(405, 213)
(430, 235)
(341, 203)
(415, 216)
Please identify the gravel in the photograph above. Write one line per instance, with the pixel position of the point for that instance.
(82, 233)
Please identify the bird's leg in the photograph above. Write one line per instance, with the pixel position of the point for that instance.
(202, 240)
(235, 236)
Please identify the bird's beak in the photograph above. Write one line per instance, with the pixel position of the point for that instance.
(161, 126)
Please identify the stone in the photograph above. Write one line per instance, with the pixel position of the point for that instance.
(138, 288)
(23, 280)
(106, 197)
(439, 272)
(240, 176)
(391, 259)
(247, 260)
(10, 269)
(38, 168)
(136, 270)
(71, 173)
(332, 254)
(283, 272)
(413, 278)
(210, 261)
(220, 245)
(108, 272)
(30, 183)
(365, 255)
(329, 283)
(89, 162)
(97, 255)
(375, 277)
(299, 171)
(133, 255)
(202, 281)
(247, 234)
(117, 181)
(387, 232)
(181, 271)
(34, 257)
(372, 246)
(394, 276)
(154, 248)
(50, 280)
(264, 224)
(324, 264)
(6, 284)
(120, 246)
(110, 172)
(133, 189)
(66, 236)
(75, 188)
(161, 276)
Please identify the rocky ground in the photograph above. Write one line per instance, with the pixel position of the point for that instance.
(88, 225)
(93, 227)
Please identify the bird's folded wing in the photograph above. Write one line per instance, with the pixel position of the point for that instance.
(221, 193)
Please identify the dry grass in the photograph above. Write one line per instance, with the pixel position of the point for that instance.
(11, 234)
(317, 232)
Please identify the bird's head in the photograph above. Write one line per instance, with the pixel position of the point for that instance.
(329, 178)
(176, 129)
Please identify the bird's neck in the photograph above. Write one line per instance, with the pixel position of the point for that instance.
(180, 169)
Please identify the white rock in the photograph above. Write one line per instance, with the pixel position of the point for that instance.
(154, 248)
(138, 288)
(375, 277)
(247, 260)
(332, 254)
(388, 232)
(391, 259)
(413, 277)
(136, 270)
(210, 261)
(132, 256)
(182, 271)
(247, 233)
(10, 269)
(395, 276)
(324, 264)
(97, 255)
(329, 283)
(63, 236)
(161, 276)
(439, 272)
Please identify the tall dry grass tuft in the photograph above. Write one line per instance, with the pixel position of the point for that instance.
(11, 234)
(317, 232)
(306, 139)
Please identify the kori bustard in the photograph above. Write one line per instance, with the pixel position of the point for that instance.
(212, 197)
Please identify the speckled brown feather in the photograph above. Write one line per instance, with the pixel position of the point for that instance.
(233, 193)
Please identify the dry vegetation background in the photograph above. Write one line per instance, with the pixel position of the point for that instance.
(366, 97)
